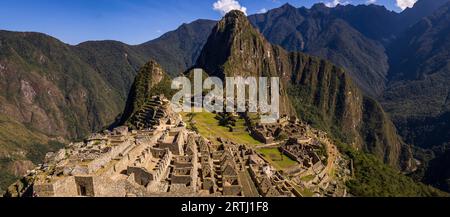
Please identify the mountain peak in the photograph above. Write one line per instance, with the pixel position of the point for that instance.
(235, 14)
(287, 6)
(233, 19)
(421, 9)
(234, 35)
(319, 6)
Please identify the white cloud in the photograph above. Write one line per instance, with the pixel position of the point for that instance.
(403, 4)
(262, 11)
(371, 2)
(225, 6)
(335, 3)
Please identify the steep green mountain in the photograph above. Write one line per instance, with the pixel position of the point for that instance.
(373, 178)
(47, 86)
(150, 81)
(354, 37)
(47, 93)
(116, 62)
(320, 92)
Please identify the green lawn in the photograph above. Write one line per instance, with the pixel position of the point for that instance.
(279, 160)
(307, 178)
(208, 126)
(304, 191)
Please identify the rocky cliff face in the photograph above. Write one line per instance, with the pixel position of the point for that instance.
(319, 91)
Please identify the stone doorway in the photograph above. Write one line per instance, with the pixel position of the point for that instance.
(85, 186)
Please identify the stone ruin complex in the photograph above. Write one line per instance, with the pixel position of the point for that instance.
(310, 149)
(159, 157)
(285, 126)
(304, 151)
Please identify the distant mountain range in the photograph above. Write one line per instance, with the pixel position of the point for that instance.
(52, 92)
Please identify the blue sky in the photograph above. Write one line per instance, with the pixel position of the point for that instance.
(130, 21)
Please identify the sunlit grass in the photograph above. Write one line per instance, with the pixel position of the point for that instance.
(304, 191)
(208, 126)
(279, 160)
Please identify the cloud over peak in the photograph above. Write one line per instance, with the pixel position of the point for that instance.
(334, 3)
(403, 4)
(225, 6)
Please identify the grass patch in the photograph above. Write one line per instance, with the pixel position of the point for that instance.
(304, 191)
(208, 126)
(279, 160)
(307, 178)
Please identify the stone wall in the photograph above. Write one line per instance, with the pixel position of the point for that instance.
(107, 157)
(44, 189)
(141, 175)
(208, 184)
(181, 179)
(106, 187)
(176, 146)
(232, 190)
(66, 187)
(160, 170)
